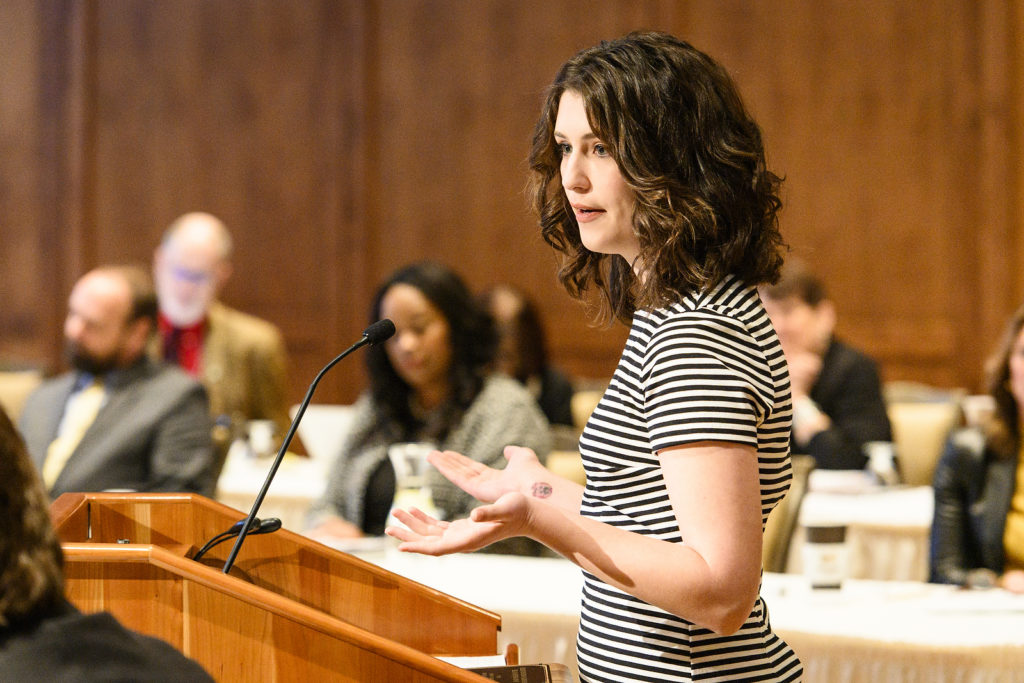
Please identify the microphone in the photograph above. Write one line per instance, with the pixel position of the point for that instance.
(258, 526)
(374, 334)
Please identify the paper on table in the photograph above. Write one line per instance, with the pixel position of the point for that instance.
(974, 601)
(473, 662)
(841, 481)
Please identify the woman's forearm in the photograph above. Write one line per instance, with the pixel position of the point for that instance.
(672, 576)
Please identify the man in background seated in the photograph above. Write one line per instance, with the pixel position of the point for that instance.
(43, 637)
(239, 358)
(837, 393)
(118, 420)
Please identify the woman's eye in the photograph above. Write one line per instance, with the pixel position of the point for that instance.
(564, 149)
(600, 150)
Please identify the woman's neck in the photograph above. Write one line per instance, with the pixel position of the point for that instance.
(430, 397)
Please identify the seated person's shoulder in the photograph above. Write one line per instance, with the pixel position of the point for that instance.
(850, 359)
(967, 443)
(68, 645)
(244, 327)
(172, 379)
(51, 387)
(502, 389)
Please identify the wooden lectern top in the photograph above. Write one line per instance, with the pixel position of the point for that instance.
(291, 609)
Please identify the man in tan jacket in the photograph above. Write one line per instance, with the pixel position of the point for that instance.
(239, 358)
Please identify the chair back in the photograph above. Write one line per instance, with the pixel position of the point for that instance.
(583, 404)
(15, 386)
(919, 432)
(568, 465)
(778, 531)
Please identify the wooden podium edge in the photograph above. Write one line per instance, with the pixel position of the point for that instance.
(70, 519)
(190, 571)
(65, 506)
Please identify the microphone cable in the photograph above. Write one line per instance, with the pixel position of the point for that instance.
(257, 526)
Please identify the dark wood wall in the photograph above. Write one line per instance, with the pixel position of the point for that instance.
(342, 138)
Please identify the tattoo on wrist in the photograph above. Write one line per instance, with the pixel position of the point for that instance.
(542, 489)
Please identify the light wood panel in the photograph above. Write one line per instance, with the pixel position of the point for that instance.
(292, 609)
(340, 140)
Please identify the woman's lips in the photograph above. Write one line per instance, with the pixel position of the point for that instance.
(585, 214)
(410, 364)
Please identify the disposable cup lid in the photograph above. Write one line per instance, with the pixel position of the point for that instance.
(826, 534)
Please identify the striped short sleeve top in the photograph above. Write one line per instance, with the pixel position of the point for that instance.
(709, 368)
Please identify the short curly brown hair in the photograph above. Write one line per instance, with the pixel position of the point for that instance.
(706, 204)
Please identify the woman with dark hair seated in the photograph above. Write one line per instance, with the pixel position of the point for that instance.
(429, 383)
(978, 529)
(523, 354)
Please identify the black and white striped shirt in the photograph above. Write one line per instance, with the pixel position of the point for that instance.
(709, 368)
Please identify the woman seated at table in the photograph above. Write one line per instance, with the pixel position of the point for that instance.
(429, 384)
(978, 530)
(522, 352)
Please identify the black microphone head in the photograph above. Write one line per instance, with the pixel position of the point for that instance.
(379, 331)
(268, 526)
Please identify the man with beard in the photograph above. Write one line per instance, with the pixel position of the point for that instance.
(118, 420)
(239, 358)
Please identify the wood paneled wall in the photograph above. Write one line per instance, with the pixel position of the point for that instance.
(342, 138)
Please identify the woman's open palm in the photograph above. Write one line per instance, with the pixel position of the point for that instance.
(486, 525)
(484, 483)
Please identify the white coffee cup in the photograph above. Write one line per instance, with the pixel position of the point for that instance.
(261, 437)
(825, 555)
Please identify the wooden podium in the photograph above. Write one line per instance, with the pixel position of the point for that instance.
(291, 609)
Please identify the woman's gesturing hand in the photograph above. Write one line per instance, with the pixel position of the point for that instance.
(487, 484)
(506, 518)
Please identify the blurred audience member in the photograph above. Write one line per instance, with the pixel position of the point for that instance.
(522, 352)
(239, 358)
(978, 529)
(42, 636)
(118, 420)
(837, 393)
(430, 384)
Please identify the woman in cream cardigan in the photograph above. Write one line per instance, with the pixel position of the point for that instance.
(429, 383)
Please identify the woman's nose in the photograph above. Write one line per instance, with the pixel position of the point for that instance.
(405, 341)
(573, 176)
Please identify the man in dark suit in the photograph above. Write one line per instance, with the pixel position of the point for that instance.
(43, 637)
(837, 392)
(118, 420)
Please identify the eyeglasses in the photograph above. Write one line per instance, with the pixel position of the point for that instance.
(195, 277)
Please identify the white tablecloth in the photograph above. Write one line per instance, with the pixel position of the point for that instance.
(538, 598)
(887, 529)
(871, 631)
(299, 481)
(899, 631)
